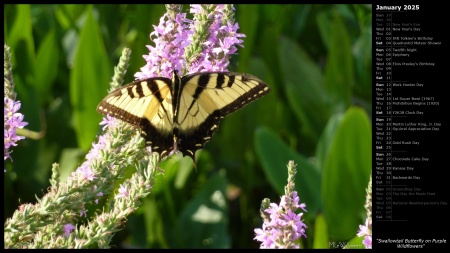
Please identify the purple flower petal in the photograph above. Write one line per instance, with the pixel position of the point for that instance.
(68, 228)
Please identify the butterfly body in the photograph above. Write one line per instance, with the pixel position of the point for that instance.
(181, 113)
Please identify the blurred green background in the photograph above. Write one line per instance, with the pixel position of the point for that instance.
(315, 58)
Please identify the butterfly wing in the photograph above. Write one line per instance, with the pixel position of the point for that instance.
(205, 99)
(146, 104)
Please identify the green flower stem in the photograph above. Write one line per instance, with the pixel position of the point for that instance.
(41, 225)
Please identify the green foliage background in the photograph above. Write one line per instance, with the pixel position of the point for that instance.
(315, 58)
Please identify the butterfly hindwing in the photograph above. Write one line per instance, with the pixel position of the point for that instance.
(181, 113)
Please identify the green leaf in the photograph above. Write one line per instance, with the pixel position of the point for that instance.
(304, 88)
(347, 169)
(46, 67)
(206, 217)
(247, 15)
(184, 170)
(324, 24)
(274, 156)
(268, 39)
(88, 81)
(321, 240)
(299, 15)
(67, 14)
(154, 224)
(21, 32)
(339, 69)
(362, 49)
(325, 139)
(272, 12)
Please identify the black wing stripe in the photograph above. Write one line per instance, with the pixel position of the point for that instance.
(153, 86)
(220, 81)
(230, 81)
(130, 92)
(139, 90)
(198, 92)
(203, 79)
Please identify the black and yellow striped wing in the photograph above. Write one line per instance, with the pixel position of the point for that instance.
(146, 104)
(182, 113)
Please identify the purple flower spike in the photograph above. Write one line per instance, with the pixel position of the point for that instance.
(283, 226)
(171, 36)
(12, 120)
(221, 42)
